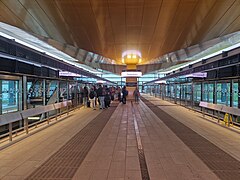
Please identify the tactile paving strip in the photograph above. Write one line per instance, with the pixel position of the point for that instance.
(141, 156)
(222, 164)
(65, 162)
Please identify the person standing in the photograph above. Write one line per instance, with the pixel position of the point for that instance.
(124, 95)
(100, 95)
(92, 98)
(85, 96)
(136, 95)
(119, 94)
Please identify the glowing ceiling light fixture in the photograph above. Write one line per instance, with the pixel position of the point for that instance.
(140, 60)
(123, 60)
(131, 57)
(129, 52)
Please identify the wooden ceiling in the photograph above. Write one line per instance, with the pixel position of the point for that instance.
(109, 27)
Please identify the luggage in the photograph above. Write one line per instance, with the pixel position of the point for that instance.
(107, 100)
(88, 104)
(91, 95)
(112, 98)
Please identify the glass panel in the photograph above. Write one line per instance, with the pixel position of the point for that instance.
(223, 93)
(72, 90)
(188, 91)
(51, 91)
(172, 93)
(63, 91)
(205, 92)
(235, 94)
(210, 92)
(183, 92)
(168, 90)
(35, 92)
(197, 92)
(178, 91)
(10, 96)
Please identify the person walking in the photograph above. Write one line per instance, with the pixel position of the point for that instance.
(136, 95)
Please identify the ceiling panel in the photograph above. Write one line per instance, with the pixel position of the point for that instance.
(134, 16)
(133, 33)
(225, 21)
(150, 15)
(215, 12)
(179, 22)
(108, 27)
(9, 17)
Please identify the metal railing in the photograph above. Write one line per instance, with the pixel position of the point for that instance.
(232, 111)
(10, 118)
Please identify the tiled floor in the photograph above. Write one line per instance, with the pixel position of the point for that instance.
(114, 155)
(20, 159)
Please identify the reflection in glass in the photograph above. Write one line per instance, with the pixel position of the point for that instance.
(223, 93)
(9, 96)
(235, 94)
(35, 92)
(197, 93)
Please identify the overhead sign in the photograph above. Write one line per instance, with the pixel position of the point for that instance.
(66, 73)
(161, 82)
(131, 74)
(100, 82)
(198, 75)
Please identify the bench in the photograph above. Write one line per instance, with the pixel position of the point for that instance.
(24, 115)
(220, 108)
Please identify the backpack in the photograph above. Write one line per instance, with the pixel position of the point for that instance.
(91, 95)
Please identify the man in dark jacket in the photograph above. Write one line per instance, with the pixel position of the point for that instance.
(124, 95)
(100, 95)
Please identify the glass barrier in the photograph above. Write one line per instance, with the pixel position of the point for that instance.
(9, 96)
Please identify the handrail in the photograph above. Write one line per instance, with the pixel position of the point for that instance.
(220, 108)
(25, 114)
(212, 106)
(10, 118)
(38, 110)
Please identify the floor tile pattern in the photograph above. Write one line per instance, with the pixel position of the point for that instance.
(222, 164)
(65, 162)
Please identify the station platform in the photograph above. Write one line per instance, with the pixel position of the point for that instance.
(152, 139)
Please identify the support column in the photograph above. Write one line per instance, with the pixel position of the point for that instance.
(57, 90)
(131, 82)
(44, 92)
(67, 89)
(215, 92)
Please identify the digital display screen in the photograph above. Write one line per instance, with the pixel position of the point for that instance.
(131, 74)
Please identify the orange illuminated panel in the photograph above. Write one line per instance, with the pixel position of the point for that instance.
(131, 79)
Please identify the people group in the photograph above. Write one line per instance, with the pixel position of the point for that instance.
(102, 96)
